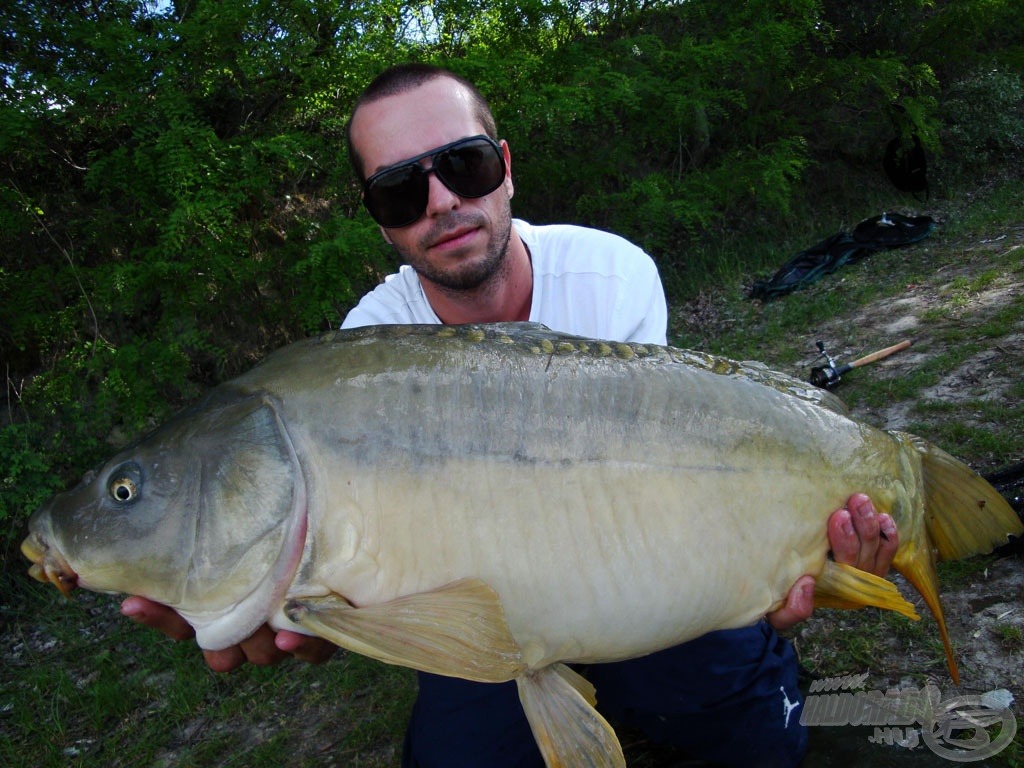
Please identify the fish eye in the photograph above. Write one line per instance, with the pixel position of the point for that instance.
(124, 483)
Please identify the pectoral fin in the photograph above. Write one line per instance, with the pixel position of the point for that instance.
(843, 586)
(570, 733)
(457, 630)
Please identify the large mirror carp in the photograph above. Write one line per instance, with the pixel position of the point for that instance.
(494, 502)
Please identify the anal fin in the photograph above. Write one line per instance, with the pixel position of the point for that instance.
(457, 630)
(570, 733)
(916, 564)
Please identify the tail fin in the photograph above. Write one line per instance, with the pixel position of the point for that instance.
(964, 516)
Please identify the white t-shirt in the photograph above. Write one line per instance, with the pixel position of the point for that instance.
(585, 282)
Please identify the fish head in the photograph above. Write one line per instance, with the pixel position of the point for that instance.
(126, 526)
(205, 515)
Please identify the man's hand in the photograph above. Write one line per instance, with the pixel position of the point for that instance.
(263, 647)
(859, 536)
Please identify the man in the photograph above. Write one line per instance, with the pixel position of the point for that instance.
(439, 184)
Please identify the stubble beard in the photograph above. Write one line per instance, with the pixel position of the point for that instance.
(470, 276)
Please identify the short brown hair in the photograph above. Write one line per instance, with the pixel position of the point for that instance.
(405, 77)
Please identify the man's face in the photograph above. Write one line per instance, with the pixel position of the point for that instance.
(458, 243)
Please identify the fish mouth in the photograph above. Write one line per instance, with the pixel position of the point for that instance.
(48, 565)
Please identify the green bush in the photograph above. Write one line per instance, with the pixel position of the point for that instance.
(983, 115)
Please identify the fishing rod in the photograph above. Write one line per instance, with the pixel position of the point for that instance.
(827, 376)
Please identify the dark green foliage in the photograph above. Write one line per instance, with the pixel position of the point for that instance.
(997, 94)
(175, 199)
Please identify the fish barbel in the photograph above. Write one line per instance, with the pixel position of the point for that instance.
(494, 502)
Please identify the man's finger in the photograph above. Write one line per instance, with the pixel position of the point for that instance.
(866, 524)
(842, 538)
(157, 616)
(799, 605)
(314, 650)
(887, 545)
(225, 660)
(261, 649)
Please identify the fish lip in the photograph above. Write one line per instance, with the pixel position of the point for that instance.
(49, 565)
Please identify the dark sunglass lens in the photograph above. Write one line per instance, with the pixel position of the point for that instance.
(473, 169)
(398, 196)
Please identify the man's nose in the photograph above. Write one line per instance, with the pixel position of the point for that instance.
(440, 199)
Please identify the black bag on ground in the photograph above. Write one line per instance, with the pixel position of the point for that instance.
(890, 230)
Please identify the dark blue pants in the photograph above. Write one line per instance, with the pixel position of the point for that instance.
(721, 698)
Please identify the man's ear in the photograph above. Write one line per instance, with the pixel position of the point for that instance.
(508, 169)
(384, 234)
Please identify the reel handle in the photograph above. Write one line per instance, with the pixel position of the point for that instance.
(880, 354)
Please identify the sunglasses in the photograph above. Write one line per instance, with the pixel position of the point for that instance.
(471, 167)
